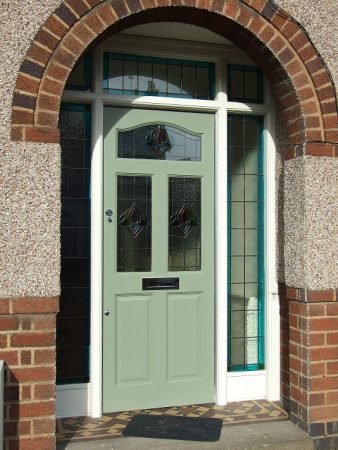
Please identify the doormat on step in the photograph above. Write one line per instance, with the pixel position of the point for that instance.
(171, 427)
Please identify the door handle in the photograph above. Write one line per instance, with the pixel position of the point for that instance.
(106, 312)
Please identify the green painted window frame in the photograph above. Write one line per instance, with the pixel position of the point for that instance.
(108, 56)
(260, 365)
(233, 69)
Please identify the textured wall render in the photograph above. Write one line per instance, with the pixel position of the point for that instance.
(319, 18)
(30, 173)
(310, 220)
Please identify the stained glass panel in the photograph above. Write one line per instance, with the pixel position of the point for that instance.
(134, 223)
(184, 224)
(246, 243)
(146, 75)
(159, 141)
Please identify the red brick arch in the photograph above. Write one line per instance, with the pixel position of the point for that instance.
(276, 43)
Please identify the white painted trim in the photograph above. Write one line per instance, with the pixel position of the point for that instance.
(244, 386)
(221, 258)
(96, 248)
(173, 48)
(72, 400)
(272, 321)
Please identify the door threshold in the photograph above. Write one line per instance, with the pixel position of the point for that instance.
(78, 429)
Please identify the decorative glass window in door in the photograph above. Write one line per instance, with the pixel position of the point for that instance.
(134, 223)
(164, 77)
(159, 141)
(245, 243)
(184, 223)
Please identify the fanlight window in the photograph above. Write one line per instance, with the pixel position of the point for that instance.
(163, 77)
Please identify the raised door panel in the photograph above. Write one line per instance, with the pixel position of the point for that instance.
(184, 337)
(134, 336)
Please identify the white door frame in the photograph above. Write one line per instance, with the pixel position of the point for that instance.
(252, 385)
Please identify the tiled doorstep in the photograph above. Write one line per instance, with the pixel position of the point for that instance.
(76, 429)
(275, 435)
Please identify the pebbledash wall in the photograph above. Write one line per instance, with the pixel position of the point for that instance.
(40, 43)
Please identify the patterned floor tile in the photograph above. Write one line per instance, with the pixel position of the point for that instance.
(111, 425)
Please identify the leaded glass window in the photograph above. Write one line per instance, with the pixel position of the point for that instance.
(245, 84)
(134, 223)
(159, 141)
(245, 243)
(73, 321)
(164, 77)
(81, 77)
(184, 224)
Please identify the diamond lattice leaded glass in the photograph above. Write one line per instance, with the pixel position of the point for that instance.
(184, 220)
(184, 249)
(134, 219)
(159, 141)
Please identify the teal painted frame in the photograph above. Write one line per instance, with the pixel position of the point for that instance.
(155, 60)
(232, 69)
(260, 365)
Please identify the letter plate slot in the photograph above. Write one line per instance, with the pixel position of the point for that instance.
(152, 284)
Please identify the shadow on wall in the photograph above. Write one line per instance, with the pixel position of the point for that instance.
(11, 410)
(281, 146)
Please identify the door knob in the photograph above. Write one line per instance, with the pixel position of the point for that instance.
(106, 312)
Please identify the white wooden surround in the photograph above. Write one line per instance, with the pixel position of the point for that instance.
(86, 399)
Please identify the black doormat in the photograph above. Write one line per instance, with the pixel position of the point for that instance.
(173, 427)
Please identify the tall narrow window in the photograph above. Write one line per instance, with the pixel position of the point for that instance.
(73, 322)
(245, 243)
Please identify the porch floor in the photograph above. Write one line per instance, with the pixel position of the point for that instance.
(84, 429)
(256, 436)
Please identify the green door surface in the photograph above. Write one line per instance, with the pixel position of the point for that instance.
(158, 250)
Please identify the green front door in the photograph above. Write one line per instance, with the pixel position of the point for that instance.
(158, 283)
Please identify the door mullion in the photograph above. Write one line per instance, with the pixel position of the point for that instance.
(160, 225)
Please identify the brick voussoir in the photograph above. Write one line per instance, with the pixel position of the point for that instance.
(120, 8)
(65, 14)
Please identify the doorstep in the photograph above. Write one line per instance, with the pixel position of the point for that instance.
(256, 436)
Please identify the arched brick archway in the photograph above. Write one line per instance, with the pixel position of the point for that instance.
(276, 43)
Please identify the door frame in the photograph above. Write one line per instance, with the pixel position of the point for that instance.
(262, 384)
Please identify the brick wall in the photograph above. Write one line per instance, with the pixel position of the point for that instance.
(27, 345)
(310, 389)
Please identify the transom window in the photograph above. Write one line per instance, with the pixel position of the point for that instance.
(163, 77)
